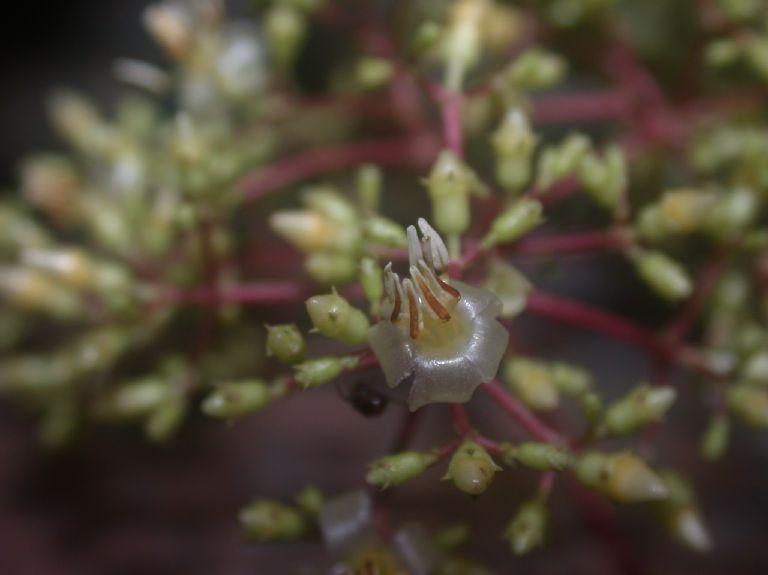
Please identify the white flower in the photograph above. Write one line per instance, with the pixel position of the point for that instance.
(443, 332)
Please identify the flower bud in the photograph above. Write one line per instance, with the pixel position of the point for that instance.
(266, 520)
(510, 286)
(663, 274)
(644, 405)
(679, 515)
(372, 281)
(605, 179)
(315, 372)
(332, 316)
(532, 382)
(368, 183)
(372, 73)
(591, 405)
(30, 290)
(451, 537)
(285, 29)
(384, 232)
(462, 40)
(331, 268)
(171, 26)
(449, 185)
(715, 440)
(542, 456)
(310, 500)
(513, 143)
(734, 212)
(52, 184)
(535, 69)
(756, 368)
(623, 477)
(749, 404)
(526, 530)
(162, 423)
(234, 399)
(18, 230)
(471, 468)
(517, 220)
(285, 342)
(685, 210)
(558, 162)
(398, 468)
(650, 224)
(308, 231)
(570, 379)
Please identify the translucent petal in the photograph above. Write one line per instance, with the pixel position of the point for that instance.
(443, 380)
(487, 346)
(394, 351)
(477, 300)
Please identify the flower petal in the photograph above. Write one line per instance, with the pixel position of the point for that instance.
(487, 346)
(477, 301)
(394, 351)
(443, 380)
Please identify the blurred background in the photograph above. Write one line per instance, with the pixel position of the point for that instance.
(115, 504)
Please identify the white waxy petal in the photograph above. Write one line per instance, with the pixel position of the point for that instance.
(393, 349)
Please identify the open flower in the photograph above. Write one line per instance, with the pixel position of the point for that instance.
(443, 332)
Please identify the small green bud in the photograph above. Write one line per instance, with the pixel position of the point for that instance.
(511, 287)
(733, 214)
(605, 178)
(332, 316)
(451, 537)
(749, 404)
(471, 468)
(679, 515)
(315, 372)
(513, 143)
(715, 440)
(285, 342)
(514, 222)
(757, 55)
(756, 368)
(369, 182)
(265, 520)
(570, 379)
(542, 456)
(372, 281)
(684, 210)
(623, 477)
(285, 29)
(330, 268)
(591, 405)
(384, 232)
(535, 69)
(234, 399)
(722, 52)
(449, 185)
(131, 400)
(163, 422)
(18, 230)
(532, 382)
(650, 224)
(310, 500)
(643, 405)
(426, 37)
(526, 530)
(663, 274)
(558, 162)
(398, 468)
(374, 73)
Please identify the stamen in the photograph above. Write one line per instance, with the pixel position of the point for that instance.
(438, 249)
(447, 288)
(395, 315)
(414, 246)
(433, 302)
(413, 309)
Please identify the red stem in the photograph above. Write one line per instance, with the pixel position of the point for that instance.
(256, 293)
(579, 108)
(528, 421)
(460, 420)
(590, 241)
(407, 152)
(583, 315)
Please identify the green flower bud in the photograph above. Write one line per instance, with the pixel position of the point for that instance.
(535, 69)
(650, 224)
(285, 342)
(733, 214)
(332, 316)
(513, 143)
(369, 183)
(685, 210)
(331, 268)
(234, 399)
(511, 287)
(374, 73)
(471, 468)
(30, 290)
(591, 405)
(265, 520)
(372, 281)
(462, 41)
(315, 372)
(722, 52)
(133, 399)
(756, 368)
(623, 477)
(384, 232)
(542, 456)
(715, 440)
(285, 29)
(749, 404)
(426, 37)
(663, 274)
(643, 405)
(570, 379)
(526, 530)
(310, 500)
(18, 230)
(532, 382)
(514, 222)
(605, 178)
(398, 468)
(757, 55)
(163, 422)
(451, 537)
(329, 202)
(449, 185)
(679, 515)
(561, 161)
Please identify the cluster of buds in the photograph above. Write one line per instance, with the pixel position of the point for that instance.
(539, 385)
(624, 477)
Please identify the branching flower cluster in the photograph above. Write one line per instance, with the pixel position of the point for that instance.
(128, 296)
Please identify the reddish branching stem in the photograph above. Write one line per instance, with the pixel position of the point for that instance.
(527, 420)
